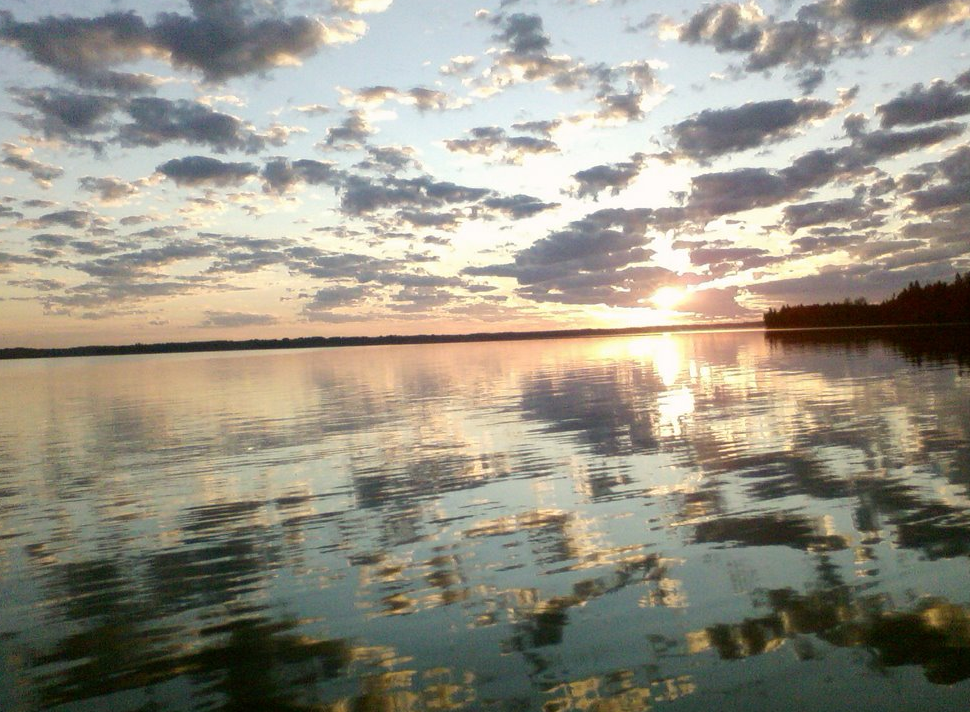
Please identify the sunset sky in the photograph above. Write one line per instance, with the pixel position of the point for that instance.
(180, 171)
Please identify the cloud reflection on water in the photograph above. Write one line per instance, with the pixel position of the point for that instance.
(560, 524)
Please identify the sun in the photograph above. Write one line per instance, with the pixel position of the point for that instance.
(667, 298)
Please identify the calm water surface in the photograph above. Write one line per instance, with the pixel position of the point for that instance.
(674, 522)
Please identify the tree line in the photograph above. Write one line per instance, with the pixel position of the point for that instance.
(935, 303)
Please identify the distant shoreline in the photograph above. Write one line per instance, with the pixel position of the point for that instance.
(310, 342)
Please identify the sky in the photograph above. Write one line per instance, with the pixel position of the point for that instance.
(209, 169)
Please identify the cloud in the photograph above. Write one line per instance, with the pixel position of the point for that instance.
(18, 158)
(130, 265)
(870, 281)
(598, 259)
(722, 261)
(713, 195)
(715, 132)
(8, 260)
(350, 135)
(421, 98)
(65, 114)
(716, 304)
(544, 128)
(920, 105)
(610, 176)
(946, 186)
(110, 189)
(518, 206)
(201, 170)
(362, 195)
(866, 19)
(157, 121)
(230, 319)
(313, 109)
(220, 40)
(492, 140)
(820, 32)
(70, 218)
(620, 91)
(824, 212)
(280, 174)
(389, 159)
(745, 29)
(458, 65)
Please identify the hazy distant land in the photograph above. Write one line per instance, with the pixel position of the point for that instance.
(308, 342)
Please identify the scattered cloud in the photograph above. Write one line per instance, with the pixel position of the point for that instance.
(219, 40)
(18, 158)
(614, 177)
(194, 171)
(233, 320)
(715, 132)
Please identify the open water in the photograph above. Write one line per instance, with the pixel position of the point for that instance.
(706, 521)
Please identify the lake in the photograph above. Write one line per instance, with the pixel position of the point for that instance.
(689, 521)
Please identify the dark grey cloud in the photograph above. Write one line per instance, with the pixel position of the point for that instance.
(824, 243)
(722, 261)
(37, 285)
(338, 296)
(324, 301)
(868, 280)
(6, 212)
(875, 145)
(231, 319)
(223, 39)
(246, 255)
(362, 195)
(351, 134)
(280, 174)
(430, 219)
(137, 263)
(103, 299)
(732, 27)
(389, 159)
(493, 140)
(518, 206)
(614, 177)
(716, 304)
(619, 91)
(596, 260)
(543, 128)
(8, 260)
(715, 132)
(157, 121)
(824, 212)
(820, 31)
(202, 170)
(912, 18)
(713, 195)
(65, 114)
(421, 98)
(82, 49)
(920, 105)
(947, 184)
(523, 33)
(18, 158)
(70, 218)
(109, 189)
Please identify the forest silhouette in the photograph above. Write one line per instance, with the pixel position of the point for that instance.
(936, 303)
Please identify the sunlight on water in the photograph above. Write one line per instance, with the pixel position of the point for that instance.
(679, 521)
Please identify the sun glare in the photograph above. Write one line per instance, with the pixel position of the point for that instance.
(667, 298)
